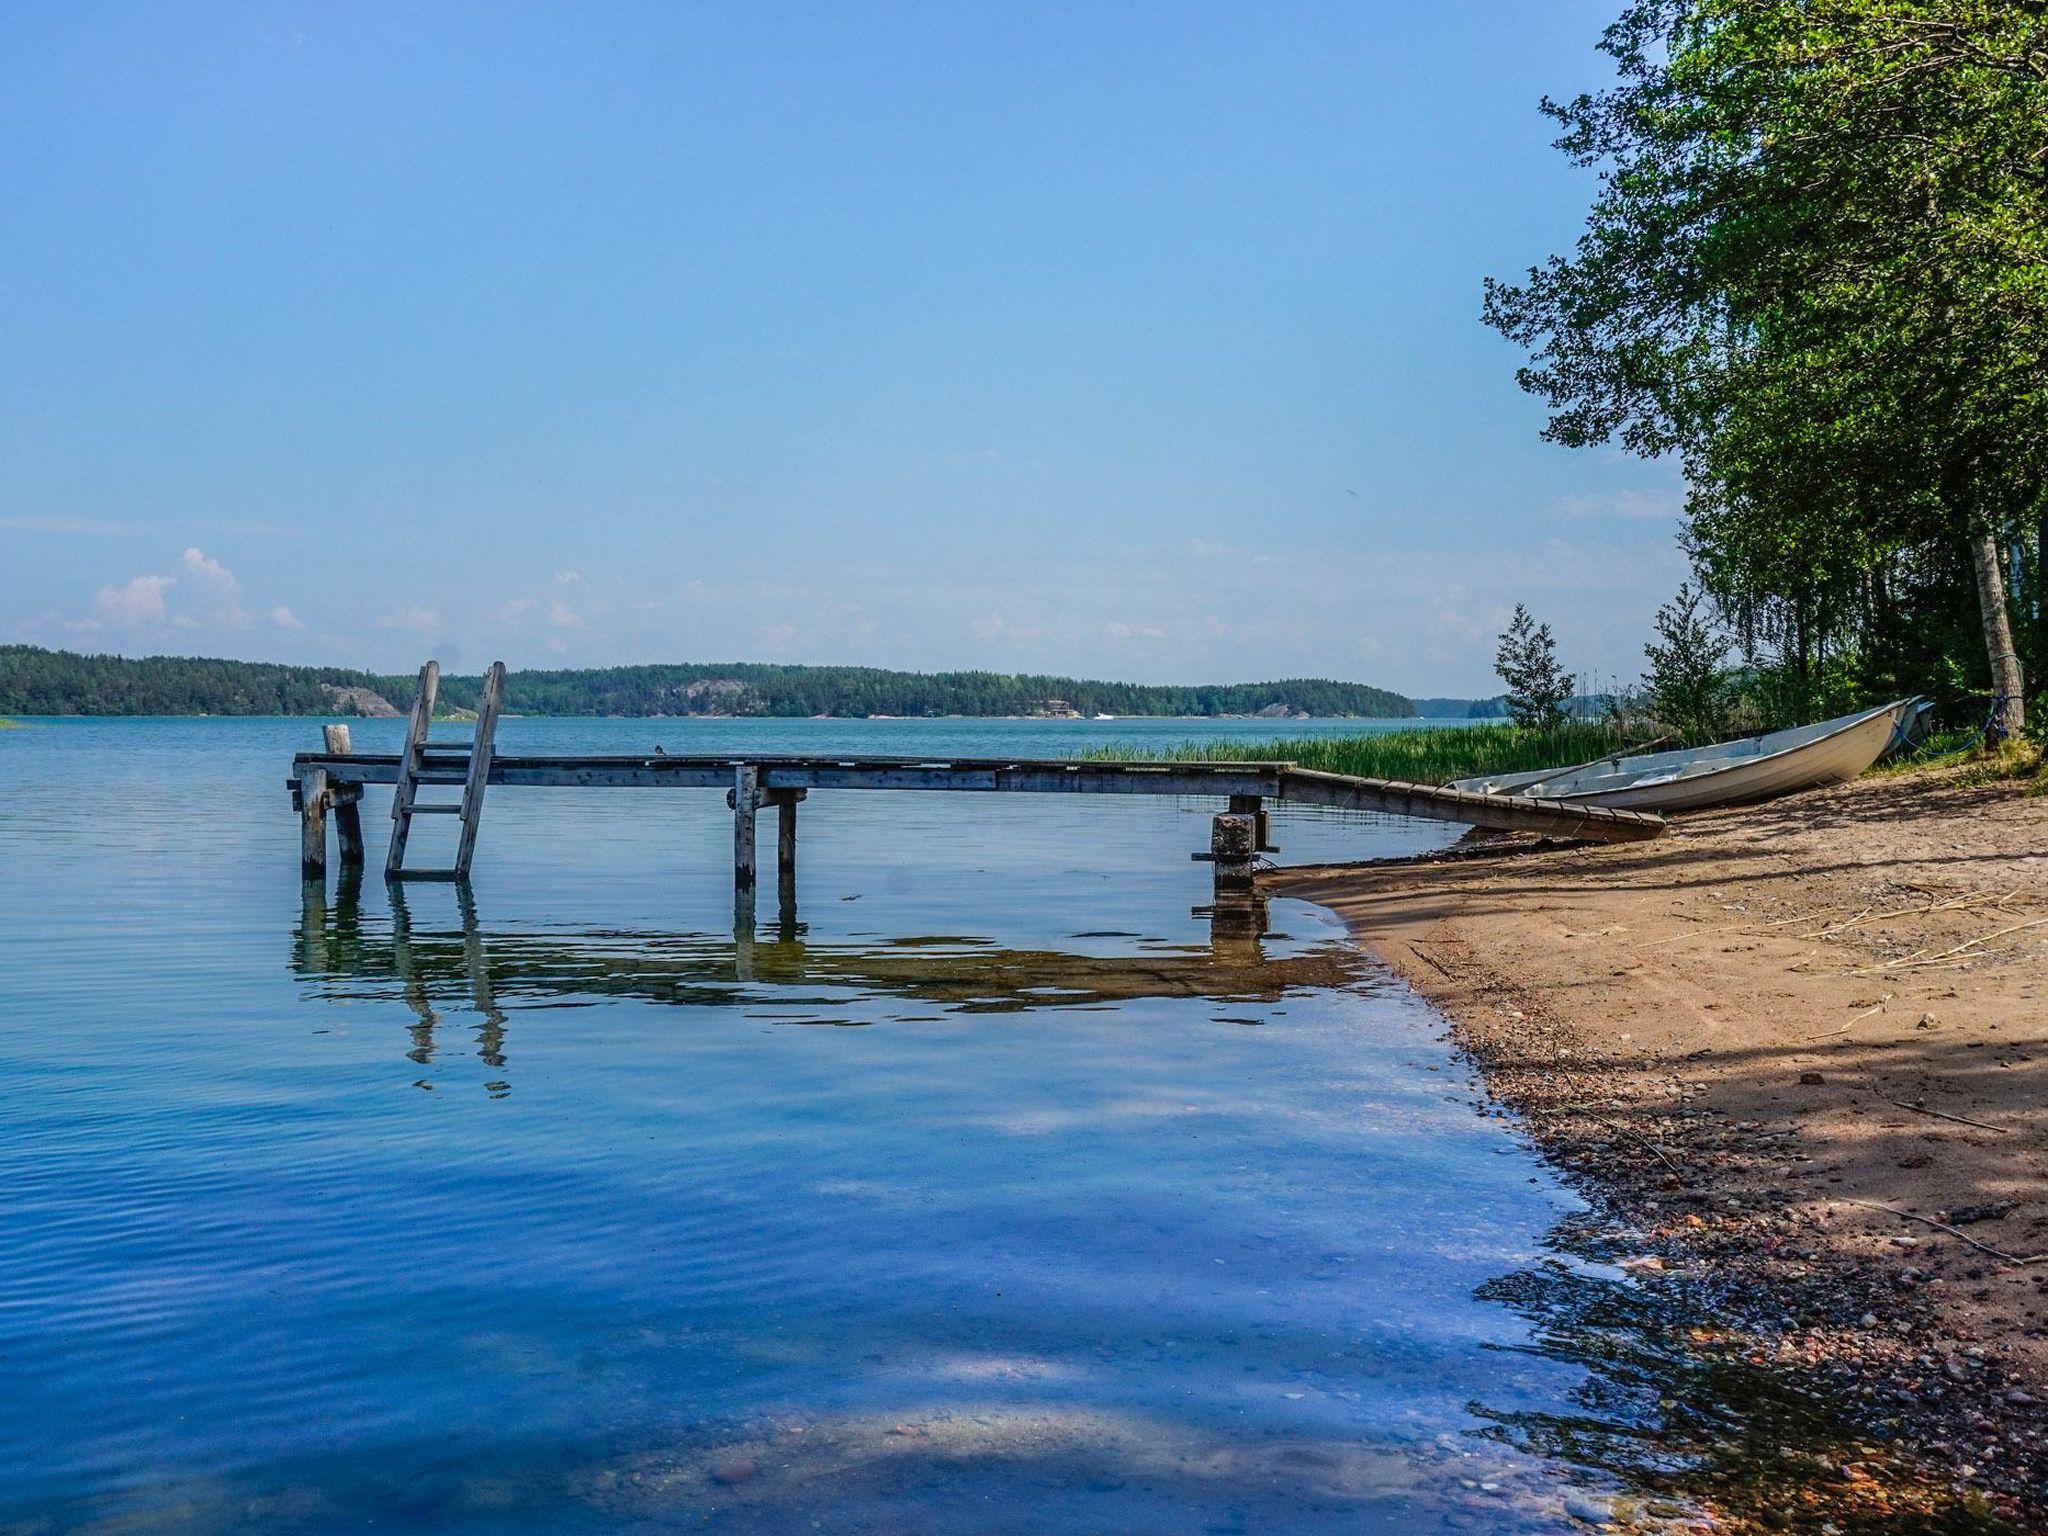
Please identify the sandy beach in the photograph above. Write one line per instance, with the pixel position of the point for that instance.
(1802, 1050)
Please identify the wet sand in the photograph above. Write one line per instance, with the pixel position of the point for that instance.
(1782, 1043)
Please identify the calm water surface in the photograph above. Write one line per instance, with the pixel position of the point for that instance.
(996, 1188)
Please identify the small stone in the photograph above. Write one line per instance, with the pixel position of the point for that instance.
(1868, 1320)
(2021, 1399)
(739, 1470)
(1585, 1511)
(1811, 1079)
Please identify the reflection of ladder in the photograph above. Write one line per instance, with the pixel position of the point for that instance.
(428, 762)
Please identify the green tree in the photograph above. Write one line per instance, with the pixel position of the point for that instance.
(1538, 687)
(1817, 270)
(1686, 683)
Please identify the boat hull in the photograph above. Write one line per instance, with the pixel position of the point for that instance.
(1737, 773)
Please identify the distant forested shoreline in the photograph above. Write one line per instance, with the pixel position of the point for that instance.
(36, 681)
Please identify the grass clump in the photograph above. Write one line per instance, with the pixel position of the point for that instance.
(1428, 755)
(1963, 753)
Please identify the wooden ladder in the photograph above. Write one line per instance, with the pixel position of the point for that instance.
(426, 762)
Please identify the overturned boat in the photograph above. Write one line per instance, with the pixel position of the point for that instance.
(1727, 773)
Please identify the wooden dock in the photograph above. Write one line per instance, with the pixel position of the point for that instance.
(334, 780)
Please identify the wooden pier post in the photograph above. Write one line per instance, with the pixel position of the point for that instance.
(785, 858)
(1233, 850)
(347, 800)
(1262, 822)
(313, 824)
(785, 833)
(746, 807)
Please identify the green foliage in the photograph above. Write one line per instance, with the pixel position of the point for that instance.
(1423, 755)
(34, 681)
(1817, 271)
(39, 682)
(769, 689)
(1539, 690)
(1687, 687)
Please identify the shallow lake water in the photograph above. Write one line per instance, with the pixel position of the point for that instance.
(999, 1186)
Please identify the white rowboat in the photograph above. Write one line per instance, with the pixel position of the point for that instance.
(1727, 773)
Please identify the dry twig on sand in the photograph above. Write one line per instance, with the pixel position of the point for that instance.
(1997, 1253)
(1876, 1007)
(1942, 1114)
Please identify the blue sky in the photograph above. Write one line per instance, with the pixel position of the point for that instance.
(1121, 339)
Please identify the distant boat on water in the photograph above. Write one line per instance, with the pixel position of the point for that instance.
(1727, 773)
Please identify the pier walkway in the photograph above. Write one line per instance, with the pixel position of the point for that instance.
(333, 780)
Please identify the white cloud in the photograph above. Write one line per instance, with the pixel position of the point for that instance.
(562, 616)
(208, 569)
(136, 602)
(568, 578)
(415, 617)
(1636, 506)
(284, 618)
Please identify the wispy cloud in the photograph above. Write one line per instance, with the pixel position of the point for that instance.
(416, 618)
(1644, 506)
(50, 523)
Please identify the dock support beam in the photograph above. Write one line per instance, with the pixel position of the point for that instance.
(313, 824)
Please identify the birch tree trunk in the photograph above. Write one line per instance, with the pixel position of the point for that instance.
(2041, 586)
(2008, 711)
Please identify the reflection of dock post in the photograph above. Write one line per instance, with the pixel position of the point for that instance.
(1237, 921)
(490, 1035)
(313, 925)
(412, 984)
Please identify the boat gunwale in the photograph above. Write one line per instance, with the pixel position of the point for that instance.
(1724, 764)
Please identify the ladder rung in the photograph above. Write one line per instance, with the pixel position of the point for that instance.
(437, 810)
(440, 776)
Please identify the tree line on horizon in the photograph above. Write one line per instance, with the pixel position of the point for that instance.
(1815, 273)
(36, 681)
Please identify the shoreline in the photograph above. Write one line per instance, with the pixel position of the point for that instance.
(1777, 1046)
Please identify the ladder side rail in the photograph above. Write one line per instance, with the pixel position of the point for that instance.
(409, 766)
(479, 766)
